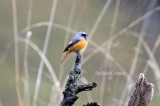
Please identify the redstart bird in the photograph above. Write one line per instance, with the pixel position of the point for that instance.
(78, 43)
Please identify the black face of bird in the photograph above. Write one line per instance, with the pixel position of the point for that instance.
(84, 34)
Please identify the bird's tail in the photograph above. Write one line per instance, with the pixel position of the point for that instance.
(67, 53)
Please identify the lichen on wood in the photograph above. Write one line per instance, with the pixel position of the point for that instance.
(72, 88)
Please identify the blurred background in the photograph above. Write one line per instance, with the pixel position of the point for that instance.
(123, 40)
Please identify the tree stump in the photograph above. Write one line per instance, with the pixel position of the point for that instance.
(143, 92)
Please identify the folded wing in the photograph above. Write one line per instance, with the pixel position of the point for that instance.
(70, 44)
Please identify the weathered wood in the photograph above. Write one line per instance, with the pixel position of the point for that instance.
(72, 87)
(143, 92)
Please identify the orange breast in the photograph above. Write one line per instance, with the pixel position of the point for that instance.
(82, 44)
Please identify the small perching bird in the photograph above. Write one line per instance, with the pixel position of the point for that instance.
(78, 43)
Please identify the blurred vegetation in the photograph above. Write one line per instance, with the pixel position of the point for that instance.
(79, 15)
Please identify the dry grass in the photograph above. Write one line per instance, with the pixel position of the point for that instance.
(26, 98)
(38, 82)
(16, 52)
(104, 48)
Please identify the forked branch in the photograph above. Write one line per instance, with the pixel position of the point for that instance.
(72, 87)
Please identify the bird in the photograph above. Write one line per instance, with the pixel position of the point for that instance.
(78, 43)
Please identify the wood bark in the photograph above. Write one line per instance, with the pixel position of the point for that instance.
(72, 87)
(141, 96)
(143, 92)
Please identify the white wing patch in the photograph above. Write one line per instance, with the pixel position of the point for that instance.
(70, 42)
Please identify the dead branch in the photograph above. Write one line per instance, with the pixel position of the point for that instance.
(72, 87)
(143, 92)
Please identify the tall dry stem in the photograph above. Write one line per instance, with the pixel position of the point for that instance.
(44, 51)
(121, 33)
(46, 62)
(107, 4)
(135, 59)
(26, 98)
(20, 102)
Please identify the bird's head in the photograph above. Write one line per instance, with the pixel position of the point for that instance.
(82, 34)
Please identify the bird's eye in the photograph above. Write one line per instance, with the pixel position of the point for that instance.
(84, 34)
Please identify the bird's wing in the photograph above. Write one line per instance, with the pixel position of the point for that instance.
(70, 44)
